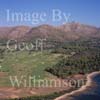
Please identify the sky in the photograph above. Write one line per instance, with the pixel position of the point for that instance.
(54, 12)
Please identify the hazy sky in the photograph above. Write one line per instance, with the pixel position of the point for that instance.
(83, 11)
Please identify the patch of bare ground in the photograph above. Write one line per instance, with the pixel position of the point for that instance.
(11, 92)
(3, 74)
(8, 92)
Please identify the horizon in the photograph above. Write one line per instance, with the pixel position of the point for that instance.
(25, 25)
(85, 12)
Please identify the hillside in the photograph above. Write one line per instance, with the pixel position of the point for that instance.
(69, 31)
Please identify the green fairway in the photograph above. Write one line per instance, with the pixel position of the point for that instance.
(22, 63)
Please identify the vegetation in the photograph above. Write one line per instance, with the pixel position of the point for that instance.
(85, 58)
(75, 57)
(22, 63)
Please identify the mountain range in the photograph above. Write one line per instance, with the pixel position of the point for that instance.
(69, 31)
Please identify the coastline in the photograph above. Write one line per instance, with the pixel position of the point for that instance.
(15, 93)
(90, 83)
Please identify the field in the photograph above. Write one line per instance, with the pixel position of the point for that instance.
(22, 63)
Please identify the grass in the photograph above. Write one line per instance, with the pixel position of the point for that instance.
(21, 63)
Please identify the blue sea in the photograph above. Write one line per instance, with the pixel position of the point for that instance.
(92, 92)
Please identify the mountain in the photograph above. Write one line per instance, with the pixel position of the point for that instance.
(79, 30)
(69, 31)
(17, 32)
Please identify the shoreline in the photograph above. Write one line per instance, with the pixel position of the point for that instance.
(89, 83)
(15, 93)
